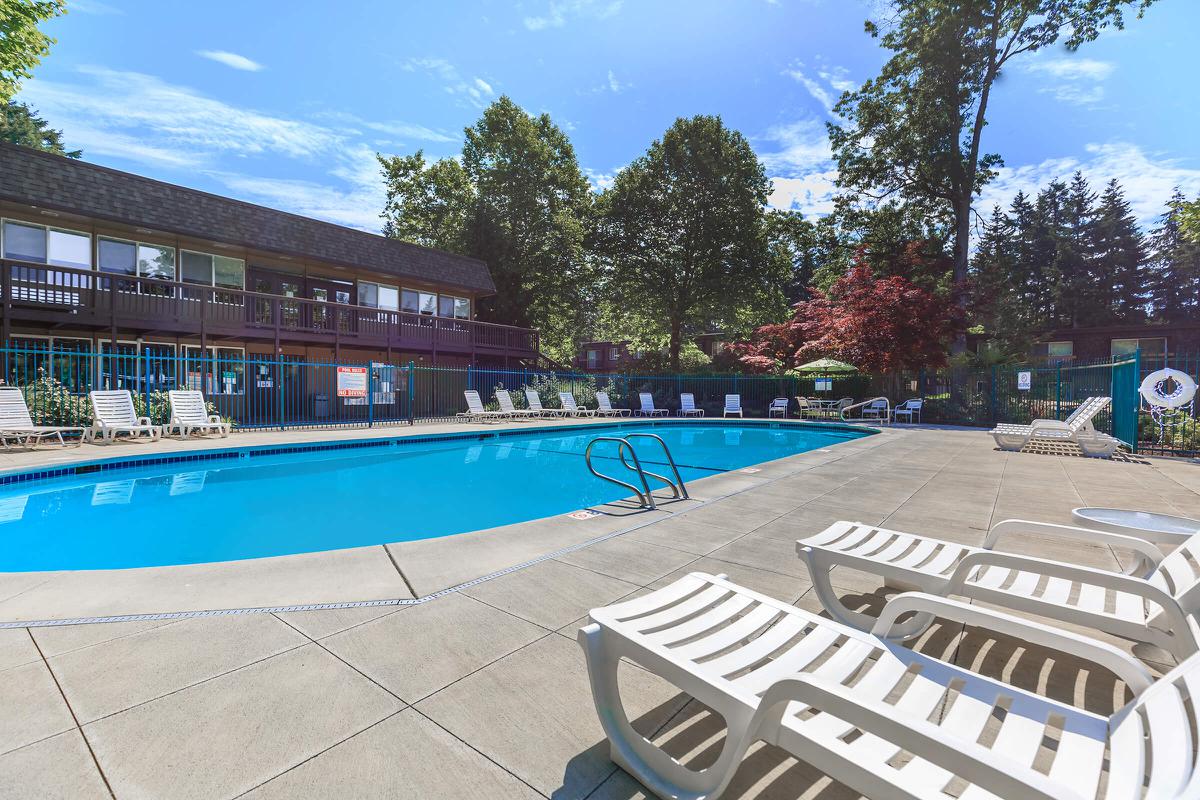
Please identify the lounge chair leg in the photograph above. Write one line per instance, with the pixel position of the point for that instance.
(818, 569)
(662, 774)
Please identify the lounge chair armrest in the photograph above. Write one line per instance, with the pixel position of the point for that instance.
(215, 418)
(145, 421)
(995, 774)
(1116, 661)
(1149, 554)
(1048, 424)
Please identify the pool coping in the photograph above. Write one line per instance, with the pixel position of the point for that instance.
(799, 462)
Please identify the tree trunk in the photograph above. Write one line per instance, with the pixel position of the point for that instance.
(962, 251)
(676, 344)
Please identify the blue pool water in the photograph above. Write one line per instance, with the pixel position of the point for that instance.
(270, 505)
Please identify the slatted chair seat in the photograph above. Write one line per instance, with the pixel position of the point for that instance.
(475, 410)
(189, 414)
(571, 408)
(648, 409)
(1157, 600)
(534, 401)
(883, 719)
(504, 399)
(733, 405)
(17, 424)
(113, 414)
(687, 406)
(606, 408)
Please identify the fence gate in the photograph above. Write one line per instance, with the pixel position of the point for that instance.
(1126, 375)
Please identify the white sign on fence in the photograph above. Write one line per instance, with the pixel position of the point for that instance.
(1024, 380)
(824, 385)
(351, 381)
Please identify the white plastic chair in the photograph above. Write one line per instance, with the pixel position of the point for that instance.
(1155, 601)
(1014, 437)
(534, 401)
(189, 414)
(733, 404)
(571, 408)
(476, 411)
(16, 423)
(778, 407)
(908, 409)
(883, 719)
(687, 406)
(605, 407)
(648, 410)
(876, 409)
(504, 400)
(113, 414)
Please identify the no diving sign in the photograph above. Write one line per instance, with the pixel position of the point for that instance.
(351, 381)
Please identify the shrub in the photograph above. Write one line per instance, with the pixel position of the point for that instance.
(549, 385)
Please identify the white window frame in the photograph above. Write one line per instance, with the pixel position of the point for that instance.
(209, 388)
(1138, 343)
(212, 269)
(1068, 342)
(137, 261)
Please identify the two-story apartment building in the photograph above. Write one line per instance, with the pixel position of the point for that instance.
(94, 260)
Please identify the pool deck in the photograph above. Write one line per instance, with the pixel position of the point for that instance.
(481, 692)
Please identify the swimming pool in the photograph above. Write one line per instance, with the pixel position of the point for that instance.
(255, 502)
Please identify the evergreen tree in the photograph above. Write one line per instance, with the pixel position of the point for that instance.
(1120, 257)
(1175, 262)
(20, 124)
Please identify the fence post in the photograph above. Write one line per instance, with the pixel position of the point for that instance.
(370, 395)
(411, 395)
(1058, 391)
(145, 376)
(994, 370)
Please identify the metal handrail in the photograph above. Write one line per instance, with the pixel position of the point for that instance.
(678, 486)
(645, 498)
(887, 409)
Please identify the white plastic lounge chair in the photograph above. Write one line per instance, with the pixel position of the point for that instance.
(778, 407)
(1015, 437)
(534, 400)
(113, 414)
(1097, 444)
(733, 404)
(504, 400)
(571, 408)
(885, 720)
(605, 407)
(15, 422)
(648, 409)
(908, 409)
(687, 406)
(475, 410)
(189, 414)
(1155, 601)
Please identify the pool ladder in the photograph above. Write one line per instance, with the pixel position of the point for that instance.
(624, 445)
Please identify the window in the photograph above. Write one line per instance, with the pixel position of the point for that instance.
(457, 307)
(614, 354)
(210, 270)
(155, 261)
(462, 308)
(117, 256)
(69, 249)
(418, 302)
(376, 295)
(1060, 349)
(220, 370)
(24, 242)
(593, 358)
(119, 366)
(1153, 346)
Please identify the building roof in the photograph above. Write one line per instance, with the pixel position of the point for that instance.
(37, 178)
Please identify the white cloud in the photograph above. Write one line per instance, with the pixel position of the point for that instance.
(801, 166)
(613, 84)
(145, 120)
(601, 180)
(1078, 81)
(1072, 68)
(476, 91)
(811, 194)
(826, 84)
(1147, 178)
(232, 60)
(560, 11)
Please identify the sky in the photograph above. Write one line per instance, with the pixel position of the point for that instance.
(286, 103)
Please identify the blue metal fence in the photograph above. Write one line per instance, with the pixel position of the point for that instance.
(289, 392)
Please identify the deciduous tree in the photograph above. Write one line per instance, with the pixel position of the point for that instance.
(681, 232)
(22, 43)
(915, 132)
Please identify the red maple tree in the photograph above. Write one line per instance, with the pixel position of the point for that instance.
(881, 325)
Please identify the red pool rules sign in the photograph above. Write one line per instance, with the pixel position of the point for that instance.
(351, 381)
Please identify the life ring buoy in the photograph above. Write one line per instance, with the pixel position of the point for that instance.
(1152, 392)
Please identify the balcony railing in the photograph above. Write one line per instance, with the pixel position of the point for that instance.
(63, 296)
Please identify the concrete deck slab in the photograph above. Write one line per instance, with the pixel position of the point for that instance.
(24, 773)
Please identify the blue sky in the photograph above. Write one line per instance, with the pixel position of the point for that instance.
(285, 103)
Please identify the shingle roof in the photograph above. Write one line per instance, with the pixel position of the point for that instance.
(65, 184)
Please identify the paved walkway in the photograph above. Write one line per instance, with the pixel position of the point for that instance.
(482, 693)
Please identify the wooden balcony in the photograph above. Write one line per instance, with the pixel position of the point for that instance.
(62, 298)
